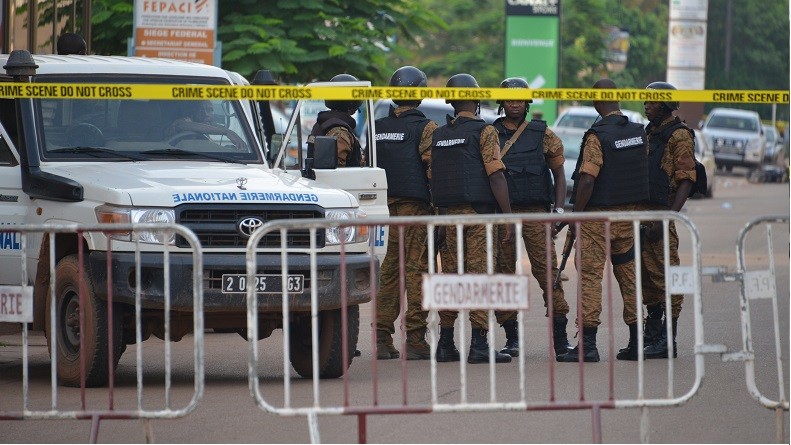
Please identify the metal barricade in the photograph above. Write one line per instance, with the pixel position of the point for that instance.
(72, 280)
(685, 279)
(757, 285)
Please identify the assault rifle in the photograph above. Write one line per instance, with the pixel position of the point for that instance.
(566, 252)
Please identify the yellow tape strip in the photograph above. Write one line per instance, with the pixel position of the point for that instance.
(182, 92)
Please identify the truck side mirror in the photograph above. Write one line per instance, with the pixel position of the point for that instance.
(325, 152)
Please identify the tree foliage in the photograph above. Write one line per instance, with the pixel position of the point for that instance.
(759, 49)
(298, 41)
(469, 40)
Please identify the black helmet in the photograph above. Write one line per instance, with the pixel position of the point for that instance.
(343, 105)
(514, 82)
(408, 76)
(462, 80)
(663, 86)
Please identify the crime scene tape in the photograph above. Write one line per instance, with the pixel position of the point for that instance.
(195, 92)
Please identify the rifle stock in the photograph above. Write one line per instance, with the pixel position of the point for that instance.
(566, 253)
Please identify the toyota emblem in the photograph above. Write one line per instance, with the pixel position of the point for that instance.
(247, 226)
(240, 182)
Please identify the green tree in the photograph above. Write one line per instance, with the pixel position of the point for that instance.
(758, 49)
(468, 40)
(297, 41)
(316, 39)
(111, 26)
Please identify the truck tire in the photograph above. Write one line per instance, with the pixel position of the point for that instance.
(330, 338)
(67, 325)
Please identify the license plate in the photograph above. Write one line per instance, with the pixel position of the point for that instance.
(264, 284)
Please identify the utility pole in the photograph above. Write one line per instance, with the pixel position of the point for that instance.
(728, 26)
(86, 23)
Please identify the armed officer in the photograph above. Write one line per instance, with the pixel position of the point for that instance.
(338, 123)
(533, 157)
(671, 152)
(611, 175)
(403, 148)
(466, 179)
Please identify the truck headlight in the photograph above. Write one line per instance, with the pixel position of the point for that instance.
(349, 234)
(128, 215)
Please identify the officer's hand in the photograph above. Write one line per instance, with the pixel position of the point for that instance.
(509, 234)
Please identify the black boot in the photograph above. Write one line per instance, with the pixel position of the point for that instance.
(652, 329)
(658, 349)
(559, 337)
(588, 341)
(479, 349)
(446, 348)
(653, 323)
(630, 351)
(511, 338)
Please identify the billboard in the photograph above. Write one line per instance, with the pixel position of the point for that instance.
(532, 47)
(176, 29)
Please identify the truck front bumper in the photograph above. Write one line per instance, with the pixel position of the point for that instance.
(358, 267)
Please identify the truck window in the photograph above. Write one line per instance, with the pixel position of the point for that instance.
(8, 120)
(98, 129)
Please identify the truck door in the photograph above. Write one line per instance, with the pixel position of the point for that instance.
(367, 183)
(14, 203)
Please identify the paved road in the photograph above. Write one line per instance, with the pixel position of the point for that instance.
(722, 411)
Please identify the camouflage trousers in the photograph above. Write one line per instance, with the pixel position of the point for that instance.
(415, 263)
(475, 260)
(591, 269)
(653, 269)
(534, 237)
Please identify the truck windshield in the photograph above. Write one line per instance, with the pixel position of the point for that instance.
(733, 123)
(138, 129)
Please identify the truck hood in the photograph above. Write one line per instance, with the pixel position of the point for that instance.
(168, 184)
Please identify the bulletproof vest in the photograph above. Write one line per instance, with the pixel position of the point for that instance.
(458, 175)
(526, 169)
(623, 178)
(397, 152)
(328, 120)
(659, 181)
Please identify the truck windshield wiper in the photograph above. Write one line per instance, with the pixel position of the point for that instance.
(97, 150)
(180, 152)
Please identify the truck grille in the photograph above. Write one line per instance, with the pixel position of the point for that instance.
(218, 225)
(729, 145)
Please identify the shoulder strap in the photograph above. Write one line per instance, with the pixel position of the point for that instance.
(510, 142)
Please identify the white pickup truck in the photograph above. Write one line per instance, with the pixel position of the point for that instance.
(139, 161)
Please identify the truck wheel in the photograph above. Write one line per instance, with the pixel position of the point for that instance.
(330, 353)
(67, 326)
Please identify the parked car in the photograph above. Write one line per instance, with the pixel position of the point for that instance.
(705, 155)
(774, 145)
(736, 137)
(584, 117)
